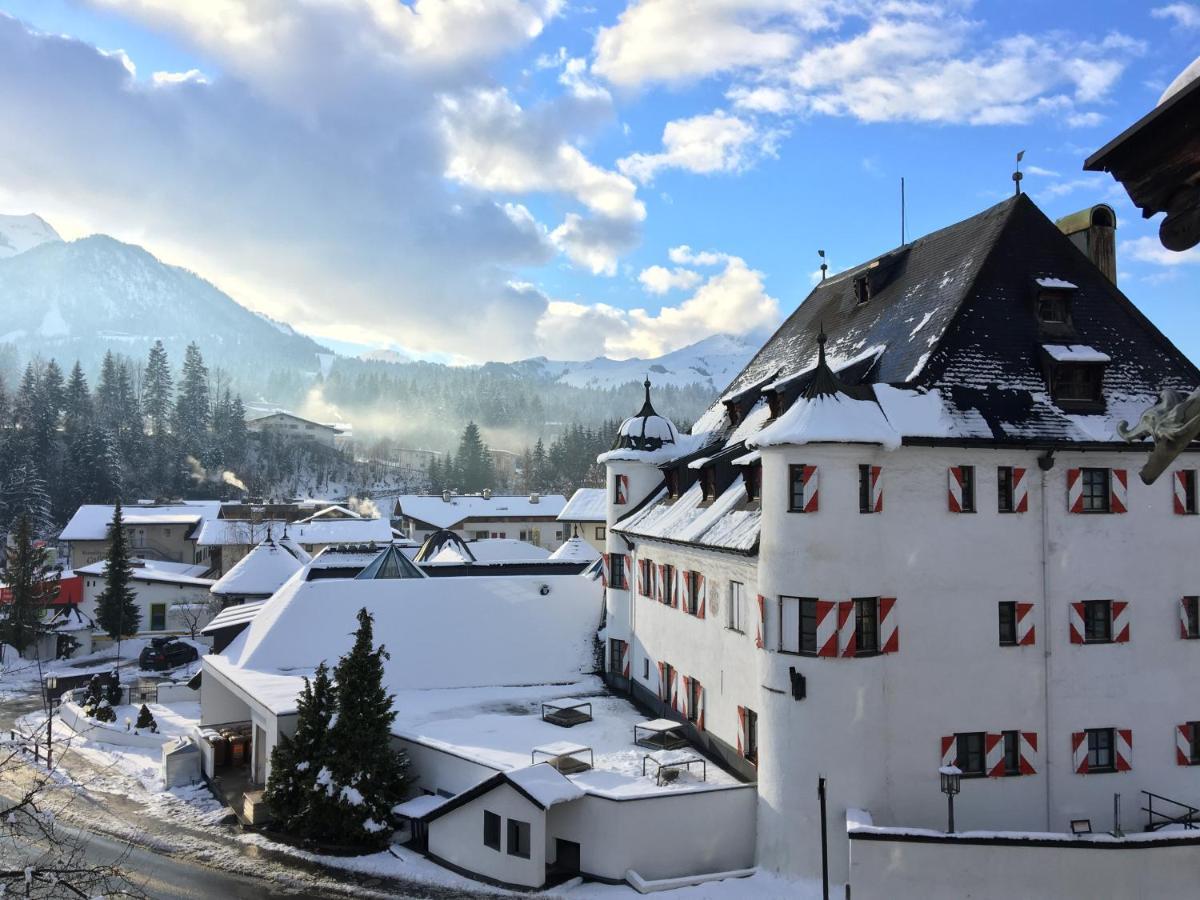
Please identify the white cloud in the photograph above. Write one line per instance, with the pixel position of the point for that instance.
(1184, 15)
(1038, 170)
(1149, 250)
(162, 79)
(661, 280)
(704, 144)
(596, 243)
(685, 255)
(731, 301)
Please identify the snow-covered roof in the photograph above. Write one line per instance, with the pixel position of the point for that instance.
(1075, 353)
(1056, 283)
(491, 550)
(233, 615)
(258, 417)
(259, 573)
(434, 510)
(92, 520)
(586, 505)
(239, 532)
(731, 522)
(575, 549)
(155, 570)
(418, 806)
(475, 630)
(545, 784)
(829, 418)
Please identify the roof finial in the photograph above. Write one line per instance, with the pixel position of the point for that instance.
(824, 265)
(824, 382)
(1017, 176)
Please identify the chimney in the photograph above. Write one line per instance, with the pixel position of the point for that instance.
(534, 498)
(487, 493)
(445, 496)
(1094, 231)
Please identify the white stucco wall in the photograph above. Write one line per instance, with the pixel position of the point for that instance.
(149, 593)
(457, 837)
(435, 770)
(882, 870)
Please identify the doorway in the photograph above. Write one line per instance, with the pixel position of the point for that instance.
(566, 857)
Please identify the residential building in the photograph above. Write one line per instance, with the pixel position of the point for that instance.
(909, 536)
(531, 518)
(292, 427)
(586, 516)
(226, 541)
(173, 598)
(158, 531)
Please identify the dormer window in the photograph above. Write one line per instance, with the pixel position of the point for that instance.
(1076, 381)
(1053, 308)
(733, 411)
(708, 483)
(673, 483)
(1075, 373)
(862, 289)
(1052, 302)
(752, 476)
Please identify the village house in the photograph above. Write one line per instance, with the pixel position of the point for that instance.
(586, 516)
(909, 537)
(531, 518)
(173, 598)
(161, 531)
(291, 427)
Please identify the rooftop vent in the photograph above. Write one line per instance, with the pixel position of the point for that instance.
(487, 493)
(1094, 231)
(535, 497)
(445, 496)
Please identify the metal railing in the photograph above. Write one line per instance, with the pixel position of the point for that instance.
(1189, 818)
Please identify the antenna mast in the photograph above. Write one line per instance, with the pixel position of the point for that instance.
(1017, 176)
(902, 230)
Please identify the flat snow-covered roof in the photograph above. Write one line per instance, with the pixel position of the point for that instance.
(433, 510)
(219, 532)
(586, 505)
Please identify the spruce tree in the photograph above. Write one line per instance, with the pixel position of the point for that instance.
(32, 584)
(77, 402)
(363, 776)
(25, 494)
(192, 411)
(117, 613)
(156, 391)
(296, 760)
(474, 461)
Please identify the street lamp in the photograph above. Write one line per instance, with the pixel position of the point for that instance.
(51, 694)
(951, 784)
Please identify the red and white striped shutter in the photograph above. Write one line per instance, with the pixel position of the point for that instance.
(604, 564)
(1075, 618)
(954, 485)
(876, 489)
(846, 625)
(1026, 630)
(1180, 493)
(993, 747)
(741, 731)
(685, 589)
(700, 696)
(760, 627)
(1028, 747)
(625, 659)
(827, 633)
(949, 751)
(1075, 490)
(660, 593)
(811, 489)
(1183, 618)
(889, 628)
(622, 489)
(676, 577)
(1118, 488)
(687, 693)
(1079, 752)
(1124, 749)
(702, 600)
(1183, 745)
(675, 690)
(1120, 613)
(1020, 489)
(663, 693)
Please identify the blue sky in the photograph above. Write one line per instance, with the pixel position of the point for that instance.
(569, 178)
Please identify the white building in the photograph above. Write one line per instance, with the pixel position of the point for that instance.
(586, 515)
(227, 541)
(531, 518)
(291, 427)
(173, 598)
(921, 542)
(161, 531)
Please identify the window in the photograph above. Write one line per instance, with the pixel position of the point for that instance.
(1095, 490)
(616, 572)
(1077, 381)
(708, 483)
(166, 532)
(558, 535)
(796, 488)
(1052, 308)
(1187, 483)
(1012, 752)
(491, 830)
(966, 475)
(1004, 489)
(1191, 617)
(646, 577)
(691, 582)
(158, 617)
(646, 669)
(535, 536)
(735, 612)
(673, 484)
(1097, 621)
(668, 584)
(753, 481)
(864, 489)
(862, 289)
(695, 695)
(481, 535)
(750, 750)
(524, 536)
(668, 678)
(969, 753)
(1008, 623)
(798, 625)
(599, 532)
(616, 656)
(518, 838)
(1194, 743)
(866, 625)
(1100, 750)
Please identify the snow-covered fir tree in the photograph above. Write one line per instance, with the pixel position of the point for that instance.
(117, 613)
(296, 760)
(32, 585)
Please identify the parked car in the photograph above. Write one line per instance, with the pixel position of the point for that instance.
(167, 653)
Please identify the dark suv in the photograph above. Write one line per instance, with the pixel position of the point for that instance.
(166, 653)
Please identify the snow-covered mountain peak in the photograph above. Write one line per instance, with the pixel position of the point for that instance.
(21, 233)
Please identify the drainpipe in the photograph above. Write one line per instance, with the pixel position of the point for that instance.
(1045, 464)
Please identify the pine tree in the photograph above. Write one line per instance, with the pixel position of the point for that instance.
(156, 391)
(474, 461)
(108, 404)
(192, 411)
(77, 402)
(296, 760)
(117, 613)
(363, 776)
(145, 720)
(26, 495)
(32, 585)
(238, 438)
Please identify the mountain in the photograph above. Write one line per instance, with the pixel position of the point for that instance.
(712, 362)
(75, 300)
(21, 233)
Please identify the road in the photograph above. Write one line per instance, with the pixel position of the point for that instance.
(178, 860)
